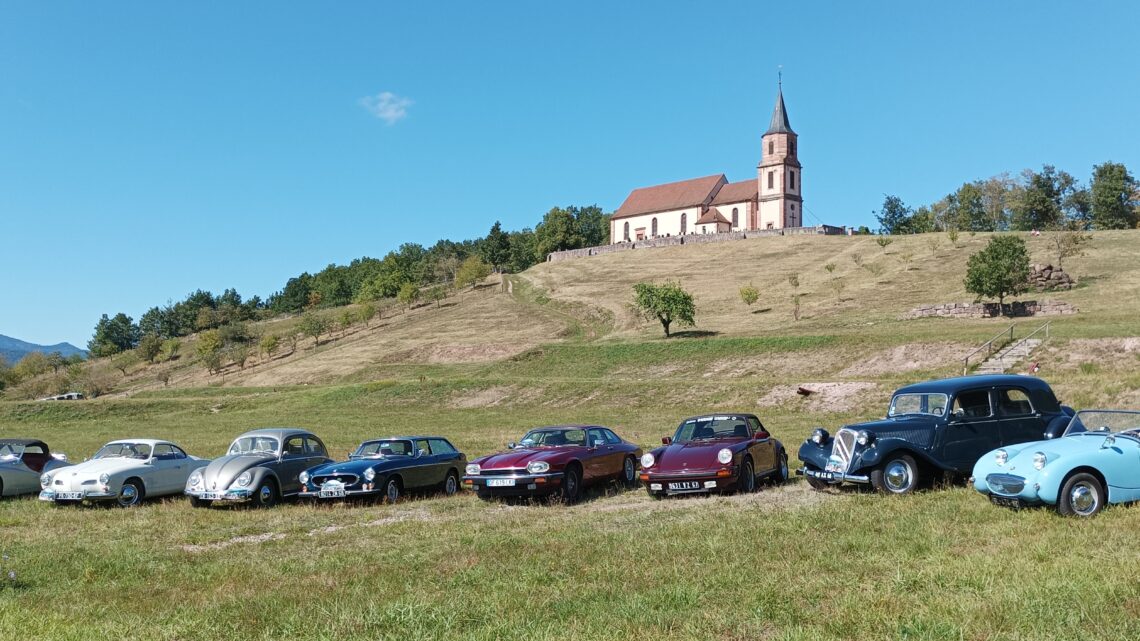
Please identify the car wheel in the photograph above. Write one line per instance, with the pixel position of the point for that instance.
(629, 472)
(781, 473)
(129, 494)
(266, 494)
(197, 502)
(747, 480)
(392, 490)
(897, 475)
(571, 484)
(451, 485)
(1081, 495)
(816, 484)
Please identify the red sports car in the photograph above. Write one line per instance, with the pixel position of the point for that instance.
(715, 453)
(558, 460)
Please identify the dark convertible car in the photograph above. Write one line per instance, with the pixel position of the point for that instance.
(388, 467)
(557, 460)
(714, 453)
(932, 429)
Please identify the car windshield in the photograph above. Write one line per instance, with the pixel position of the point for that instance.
(553, 438)
(384, 448)
(10, 451)
(710, 427)
(124, 450)
(929, 404)
(1104, 422)
(254, 445)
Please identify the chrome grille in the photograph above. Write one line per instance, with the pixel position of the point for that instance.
(842, 450)
(1006, 484)
(504, 471)
(346, 479)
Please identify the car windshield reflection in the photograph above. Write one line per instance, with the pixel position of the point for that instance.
(266, 445)
(711, 427)
(918, 404)
(1104, 422)
(139, 451)
(553, 438)
(11, 451)
(383, 449)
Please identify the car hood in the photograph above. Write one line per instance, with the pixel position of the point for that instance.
(693, 454)
(1020, 456)
(519, 457)
(357, 466)
(222, 471)
(913, 428)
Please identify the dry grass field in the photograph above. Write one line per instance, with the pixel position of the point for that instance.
(562, 346)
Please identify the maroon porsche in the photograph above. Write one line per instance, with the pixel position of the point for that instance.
(558, 460)
(714, 453)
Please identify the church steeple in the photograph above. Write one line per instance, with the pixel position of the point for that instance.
(779, 173)
(779, 124)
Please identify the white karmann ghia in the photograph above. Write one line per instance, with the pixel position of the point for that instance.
(124, 471)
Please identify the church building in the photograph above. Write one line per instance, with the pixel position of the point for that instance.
(712, 205)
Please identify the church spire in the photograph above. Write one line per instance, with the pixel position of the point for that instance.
(779, 124)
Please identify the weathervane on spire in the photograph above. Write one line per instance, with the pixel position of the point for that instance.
(780, 77)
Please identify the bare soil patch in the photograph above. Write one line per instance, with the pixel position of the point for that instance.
(910, 357)
(825, 397)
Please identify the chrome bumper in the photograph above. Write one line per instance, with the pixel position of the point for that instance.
(834, 477)
(51, 495)
(228, 495)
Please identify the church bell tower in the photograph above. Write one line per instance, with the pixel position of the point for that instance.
(779, 172)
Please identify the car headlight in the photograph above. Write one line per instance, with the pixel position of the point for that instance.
(473, 469)
(1001, 456)
(195, 478)
(45, 480)
(1039, 460)
(244, 479)
(864, 437)
(819, 436)
(724, 456)
(537, 467)
(647, 460)
(303, 477)
(369, 474)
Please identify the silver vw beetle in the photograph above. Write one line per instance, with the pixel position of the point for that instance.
(260, 467)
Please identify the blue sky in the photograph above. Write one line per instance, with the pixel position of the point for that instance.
(149, 149)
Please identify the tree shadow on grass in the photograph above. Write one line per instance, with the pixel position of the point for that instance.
(694, 333)
(762, 311)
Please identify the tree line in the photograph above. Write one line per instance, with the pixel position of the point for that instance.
(1046, 200)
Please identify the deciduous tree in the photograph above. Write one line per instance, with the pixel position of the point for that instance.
(999, 270)
(1114, 197)
(668, 303)
(472, 272)
(313, 324)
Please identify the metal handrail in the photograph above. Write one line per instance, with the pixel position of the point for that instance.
(988, 345)
(1043, 327)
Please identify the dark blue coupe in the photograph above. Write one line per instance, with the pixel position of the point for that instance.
(386, 468)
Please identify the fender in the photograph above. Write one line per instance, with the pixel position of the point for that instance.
(1057, 426)
(815, 455)
(260, 473)
(881, 450)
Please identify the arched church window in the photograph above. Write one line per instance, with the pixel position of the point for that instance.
(771, 180)
(771, 147)
(627, 231)
(684, 223)
(791, 179)
(654, 232)
(791, 147)
(735, 217)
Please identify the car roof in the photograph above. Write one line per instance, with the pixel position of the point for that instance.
(22, 441)
(724, 414)
(951, 385)
(572, 426)
(278, 432)
(402, 438)
(146, 441)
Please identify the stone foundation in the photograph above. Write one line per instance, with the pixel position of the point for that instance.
(991, 310)
(693, 239)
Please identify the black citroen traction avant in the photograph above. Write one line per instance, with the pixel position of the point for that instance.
(934, 429)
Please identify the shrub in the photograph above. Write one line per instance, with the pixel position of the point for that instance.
(749, 294)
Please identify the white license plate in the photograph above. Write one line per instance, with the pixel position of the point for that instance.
(337, 493)
(210, 496)
(685, 485)
(69, 496)
(500, 482)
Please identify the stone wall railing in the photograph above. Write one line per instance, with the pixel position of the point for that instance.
(693, 239)
(991, 310)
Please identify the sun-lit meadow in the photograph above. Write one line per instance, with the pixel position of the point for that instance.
(561, 346)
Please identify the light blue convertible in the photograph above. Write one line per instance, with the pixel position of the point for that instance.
(1096, 461)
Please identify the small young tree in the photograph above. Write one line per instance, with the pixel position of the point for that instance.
(269, 344)
(830, 267)
(794, 281)
(883, 241)
(292, 339)
(837, 286)
(934, 243)
(952, 234)
(857, 258)
(170, 349)
(668, 303)
(164, 377)
(905, 258)
(471, 272)
(347, 318)
(999, 270)
(436, 294)
(125, 361)
(409, 293)
(149, 347)
(749, 294)
(239, 353)
(209, 349)
(366, 313)
(313, 325)
(1068, 242)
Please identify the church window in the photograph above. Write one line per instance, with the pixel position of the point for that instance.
(684, 223)
(654, 230)
(771, 147)
(771, 179)
(735, 217)
(791, 147)
(791, 180)
(627, 231)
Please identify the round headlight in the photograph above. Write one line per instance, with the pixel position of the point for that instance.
(195, 478)
(104, 479)
(1039, 460)
(724, 456)
(647, 460)
(45, 480)
(369, 474)
(244, 479)
(537, 467)
(303, 477)
(1001, 456)
(819, 436)
(864, 437)
(473, 469)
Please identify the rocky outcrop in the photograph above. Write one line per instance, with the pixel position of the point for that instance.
(1045, 278)
(991, 310)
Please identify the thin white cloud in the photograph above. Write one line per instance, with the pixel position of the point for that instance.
(387, 106)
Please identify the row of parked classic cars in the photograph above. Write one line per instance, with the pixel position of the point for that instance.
(1009, 434)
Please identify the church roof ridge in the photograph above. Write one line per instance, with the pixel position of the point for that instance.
(670, 196)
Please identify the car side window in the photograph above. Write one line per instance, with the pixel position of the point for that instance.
(423, 447)
(33, 449)
(593, 436)
(313, 447)
(294, 447)
(1013, 402)
(972, 404)
(611, 438)
(440, 446)
(162, 452)
(757, 428)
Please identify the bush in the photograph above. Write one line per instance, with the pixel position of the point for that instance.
(999, 270)
(749, 294)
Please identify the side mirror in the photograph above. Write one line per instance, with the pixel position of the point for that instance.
(667, 440)
(760, 436)
(1109, 441)
(511, 445)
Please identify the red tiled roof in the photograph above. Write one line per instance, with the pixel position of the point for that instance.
(712, 216)
(670, 196)
(742, 191)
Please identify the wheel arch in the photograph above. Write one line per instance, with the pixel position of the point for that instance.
(1079, 469)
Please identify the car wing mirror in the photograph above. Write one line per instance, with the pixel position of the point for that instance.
(512, 445)
(666, 440)
(1109, 441)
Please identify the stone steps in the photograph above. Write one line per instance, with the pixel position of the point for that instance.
(1008, 357)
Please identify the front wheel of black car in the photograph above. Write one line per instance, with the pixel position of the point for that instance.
(266, 494)
(897, 475)
(747, 480)
(629, 472)
(1082, 495)
(451, 485)
(392, 490)
(571, 484)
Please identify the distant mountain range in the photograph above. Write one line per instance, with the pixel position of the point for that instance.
(13, 349)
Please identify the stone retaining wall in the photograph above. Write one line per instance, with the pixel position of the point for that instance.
(693, 239)
(991, 310)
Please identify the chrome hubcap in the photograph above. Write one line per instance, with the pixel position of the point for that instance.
(128, 495)
(265, 493)
(451, 485)
(1083, 499)
(393, 491)
(898, 476)
(628, 470)
(784, 469)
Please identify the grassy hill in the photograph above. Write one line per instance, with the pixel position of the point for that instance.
(559, 344)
